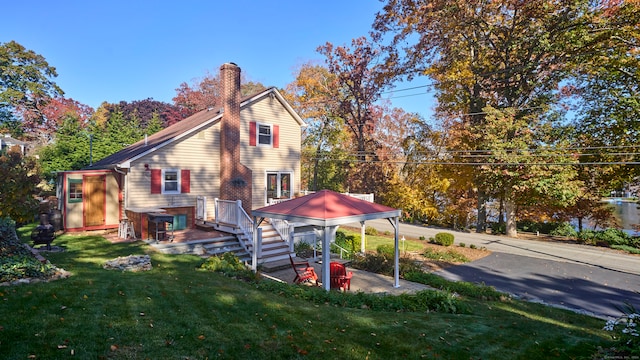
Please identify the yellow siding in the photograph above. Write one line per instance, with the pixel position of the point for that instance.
(262, 159)
(198, 153)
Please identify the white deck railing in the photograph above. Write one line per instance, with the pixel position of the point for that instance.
(229, 212)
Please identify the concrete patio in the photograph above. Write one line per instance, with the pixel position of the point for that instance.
(363, 281)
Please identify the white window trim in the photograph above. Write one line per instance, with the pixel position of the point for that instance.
(179, 181)
(258, 125)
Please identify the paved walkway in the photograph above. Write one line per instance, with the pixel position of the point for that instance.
(361, 281)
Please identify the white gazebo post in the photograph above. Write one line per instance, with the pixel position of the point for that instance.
(254, 255)
(329, 233)
(396, 271)
(362, 238)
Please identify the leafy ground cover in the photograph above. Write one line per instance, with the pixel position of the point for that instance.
(179, 311)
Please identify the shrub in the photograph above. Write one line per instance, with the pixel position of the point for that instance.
(564, 229)
(444, 239)
(303, 249)
(376, 263)
(473, 246)
(422, 238)
(587, 237)
(608, 237)
(351, 243)
(386, 250)
(448, 256)
(462, 244)
(370, 231)
(422, 301)
(16, 261)
(614, 237)
(498, 228)
(625, 332)
(229, 265)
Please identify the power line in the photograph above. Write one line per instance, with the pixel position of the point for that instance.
(602, 163)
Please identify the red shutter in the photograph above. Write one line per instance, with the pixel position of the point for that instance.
(156, 181)
(185, 181)
(276, 136)
(252, 133)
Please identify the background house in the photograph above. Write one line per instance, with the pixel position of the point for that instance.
(248, 149)
(7, 142)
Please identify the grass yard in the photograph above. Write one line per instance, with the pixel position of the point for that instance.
(177, 311)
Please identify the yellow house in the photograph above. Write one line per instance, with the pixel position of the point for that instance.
(248, 149)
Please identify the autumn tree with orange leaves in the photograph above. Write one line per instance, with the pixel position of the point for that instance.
(508, 59)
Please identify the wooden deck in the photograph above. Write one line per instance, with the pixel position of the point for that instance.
(179, 236)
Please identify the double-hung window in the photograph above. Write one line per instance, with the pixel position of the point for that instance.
(264, 134)
(170, 181)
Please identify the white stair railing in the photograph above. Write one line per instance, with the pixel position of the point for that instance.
(229, 212)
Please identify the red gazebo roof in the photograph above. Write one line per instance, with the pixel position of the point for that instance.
(326, 208)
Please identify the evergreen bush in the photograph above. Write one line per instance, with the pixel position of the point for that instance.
(444, 239)
(564, 229)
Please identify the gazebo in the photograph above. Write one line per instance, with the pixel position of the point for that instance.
(327, 210)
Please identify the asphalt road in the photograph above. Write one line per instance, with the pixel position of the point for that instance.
(582, 278)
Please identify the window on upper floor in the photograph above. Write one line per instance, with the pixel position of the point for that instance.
(262, 134)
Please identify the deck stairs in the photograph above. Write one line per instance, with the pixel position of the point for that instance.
(274, 249)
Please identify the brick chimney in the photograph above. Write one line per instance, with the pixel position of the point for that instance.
(235, 178)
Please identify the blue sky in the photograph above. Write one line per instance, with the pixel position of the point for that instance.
(133, 50)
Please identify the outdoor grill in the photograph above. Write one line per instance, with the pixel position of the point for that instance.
(161, 220)
(43, 233)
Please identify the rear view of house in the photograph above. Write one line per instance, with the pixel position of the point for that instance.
(247, 149)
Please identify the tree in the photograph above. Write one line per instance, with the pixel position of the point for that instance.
(324, 149)
(408, 145)
(53, 115)
(76, 144)
(508, 55)
(359, 85)
(18, 186)
(68, 151)
(606, 98)
(26, 82)
(142, 111)
(204, 93)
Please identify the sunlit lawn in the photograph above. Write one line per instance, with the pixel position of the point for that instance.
(373, 241)
(178, 312)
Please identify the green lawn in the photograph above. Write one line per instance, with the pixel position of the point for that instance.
(373, 241)
(177, 311)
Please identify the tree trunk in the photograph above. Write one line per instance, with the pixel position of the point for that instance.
(510, 212)
(579, 224)
(481, 227)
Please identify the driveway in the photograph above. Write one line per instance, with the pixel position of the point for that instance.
(583, 278)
